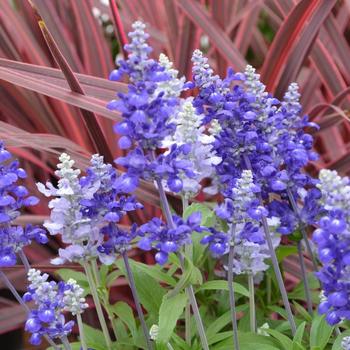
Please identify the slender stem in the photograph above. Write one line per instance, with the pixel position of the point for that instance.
(13, 290)
(81, 332)
(97, 304)
(269, 288)
(275, 262)
(188, 252)
(302, 228)
(65, 343)
(304, 277)
(96, 273)
(195, 309)
(232, 296)
(136, 299)
(189, 289)
(105, 303)
(24, 260)
(252, 303)
(169, 346)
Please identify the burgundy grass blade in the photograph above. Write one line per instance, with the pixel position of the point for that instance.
(218, 37)
(118, 27)
(92, 126)
(95, 87)
(292, 42)
(64, 94)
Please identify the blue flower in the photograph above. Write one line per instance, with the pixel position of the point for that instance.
(333, 243)
(51, 299)
(86, 209)
(156, 234)
(13, 197)
(147, 110)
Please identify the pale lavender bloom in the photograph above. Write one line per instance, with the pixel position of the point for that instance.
(190, 131)
(66, 218)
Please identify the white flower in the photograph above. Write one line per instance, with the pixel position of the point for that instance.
(73, 298)
(191, 131)
(174, 86)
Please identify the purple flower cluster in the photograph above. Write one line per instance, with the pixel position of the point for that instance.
(14, 197)
(156, 234)
(333, 243)
(260, 133)
(147, 110)
(243, 213)
(51, 300)
(86, 211)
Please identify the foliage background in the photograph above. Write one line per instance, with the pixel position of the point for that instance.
(305, 41)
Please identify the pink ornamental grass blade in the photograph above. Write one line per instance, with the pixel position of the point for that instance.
(218, 37)
(118, 27)
(292, 42)
(63, 94)
(91, 124)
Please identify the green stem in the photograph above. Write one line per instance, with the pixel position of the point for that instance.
(81, 332)
(274, 260)
(189, 289)
(136, 299)
(24, 260)
(98, 306)
(189, 253)
(195, 309)
(105, 303)
(252, 303)
(169, 346)
(269, 288)
(65, 343)
(304, 278)
(96, 272)
(232, 292)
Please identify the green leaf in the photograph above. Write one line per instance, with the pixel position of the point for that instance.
(298, 292)
(112, 276)
(286, 343)
(170, 311)
(302, 311)
(192, 275)
(94, 338)
(222, 285)
(125, 313)
(285, 250)
(249, 341)
(149, 291)
(103, 270)
(337, 343)
(298, 346)
(222, 321)
(320, 332)
(298, 337)
(155, 271)
(66, 274)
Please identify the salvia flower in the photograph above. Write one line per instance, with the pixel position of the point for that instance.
(333, 243)
(191, 132)
(73, 299)
(51, 299)
(86, 208)
(67, 217)
(147, 109)
(345, 343)
(13, 197)
(157, 234)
